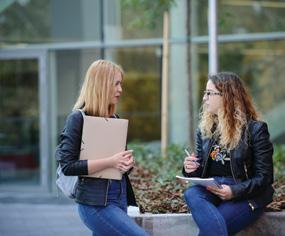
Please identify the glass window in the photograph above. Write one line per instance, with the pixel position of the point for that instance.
(199, 17)
(46, 21)
(69, 71)
(19, 122)
(140, 102)
(238, 17)
(260, 64)
(123, 21)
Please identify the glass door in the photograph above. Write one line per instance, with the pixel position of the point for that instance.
(24, 145)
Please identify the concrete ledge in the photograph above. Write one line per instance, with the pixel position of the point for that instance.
(271, 223)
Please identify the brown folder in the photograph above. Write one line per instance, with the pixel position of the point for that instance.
(101, 138)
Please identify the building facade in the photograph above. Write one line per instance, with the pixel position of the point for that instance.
(47, 45)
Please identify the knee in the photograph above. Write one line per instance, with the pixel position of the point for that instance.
(192, 194)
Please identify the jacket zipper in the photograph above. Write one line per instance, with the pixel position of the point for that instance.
(205, 167)
(245, 170)
(106, 196)
(249, 202)
(251, 205)
(232, 168)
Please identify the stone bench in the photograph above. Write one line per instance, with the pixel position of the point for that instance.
(270, 223)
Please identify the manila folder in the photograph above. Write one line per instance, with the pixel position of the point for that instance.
(101, 138)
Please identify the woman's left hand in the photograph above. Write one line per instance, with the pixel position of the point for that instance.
(127, 164)
(225, 193)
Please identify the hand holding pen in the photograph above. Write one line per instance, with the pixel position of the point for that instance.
(190, 162)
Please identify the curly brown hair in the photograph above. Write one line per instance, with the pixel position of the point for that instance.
(236, 111)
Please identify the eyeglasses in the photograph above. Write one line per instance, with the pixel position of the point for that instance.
(210, 93)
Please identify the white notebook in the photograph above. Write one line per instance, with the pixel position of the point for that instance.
(101, 138)
(200, 181)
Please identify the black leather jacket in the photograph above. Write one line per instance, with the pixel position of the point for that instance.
(90, 191)
(251, 164)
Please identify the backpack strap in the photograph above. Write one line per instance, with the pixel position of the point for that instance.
(116, 115)
(82, 112)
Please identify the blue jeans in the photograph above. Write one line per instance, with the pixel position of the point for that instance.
(111, 219)
(214, 216)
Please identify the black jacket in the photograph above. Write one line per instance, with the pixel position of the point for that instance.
(90, 191)
(251, 164)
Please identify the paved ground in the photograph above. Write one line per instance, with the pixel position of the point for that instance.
(40, 219)
(37, 215)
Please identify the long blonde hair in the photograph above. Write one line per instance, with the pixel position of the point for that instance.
(236, 111)
(98, 85)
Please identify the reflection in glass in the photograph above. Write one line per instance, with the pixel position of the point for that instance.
(238, 17)
(260, 64)
(19, 122)
(140, 101)
(48, 21)
(131, 21)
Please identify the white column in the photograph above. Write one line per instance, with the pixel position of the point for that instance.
(212, 28)
(165, 82)
(178, 78)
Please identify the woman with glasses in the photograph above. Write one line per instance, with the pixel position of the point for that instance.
(234, 148)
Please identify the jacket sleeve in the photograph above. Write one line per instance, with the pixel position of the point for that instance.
(199, 153)
(262, 165)
(68, 150)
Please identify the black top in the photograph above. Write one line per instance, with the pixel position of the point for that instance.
(219, 162)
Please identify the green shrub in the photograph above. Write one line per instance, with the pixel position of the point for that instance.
(165, 169)
(279, 161)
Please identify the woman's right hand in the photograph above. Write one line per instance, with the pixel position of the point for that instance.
(191, 163)
(123, 161)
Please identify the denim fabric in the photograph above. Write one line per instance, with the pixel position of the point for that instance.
(117, 194)
(214, 216)
(111, 219)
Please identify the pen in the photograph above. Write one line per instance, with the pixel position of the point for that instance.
(188, 154)
(186, 151)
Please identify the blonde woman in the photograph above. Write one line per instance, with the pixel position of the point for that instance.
(102, 203)
(233, 147)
